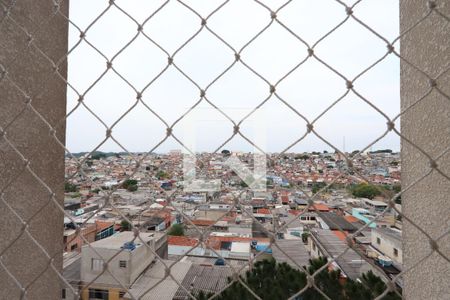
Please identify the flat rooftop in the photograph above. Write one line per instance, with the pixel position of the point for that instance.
(375, 202)
(154, 284)
(240, 247)
(393, 234)
(116, 241)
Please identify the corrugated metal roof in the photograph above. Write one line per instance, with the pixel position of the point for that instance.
(164, 290)
(205, 278)
(295, 249)
(351, 263)
(336, 222)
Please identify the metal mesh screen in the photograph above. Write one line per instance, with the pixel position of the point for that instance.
(135, 164)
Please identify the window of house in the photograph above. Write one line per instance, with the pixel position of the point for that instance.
(378, 241)
(96, 264)
(73, 247)
(122, 263)
(63, 294)
(98, 294)
(395, 252)
(314, 247)
(122, 294)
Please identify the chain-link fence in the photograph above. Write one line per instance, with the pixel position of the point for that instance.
(171, 272)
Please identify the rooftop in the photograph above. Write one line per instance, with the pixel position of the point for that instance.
(319, 207)
(181, 241)
(350, 263)
(375, 202)
(296, 251)
(206, 278)
(116, 241)
(391, 233)
(336, 222)
(154, 284)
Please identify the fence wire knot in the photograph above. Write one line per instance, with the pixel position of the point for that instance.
(236, 129)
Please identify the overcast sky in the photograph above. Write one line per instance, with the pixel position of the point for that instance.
(310, 89)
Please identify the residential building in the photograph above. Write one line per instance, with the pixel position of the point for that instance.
(389, 242)
(127, 258)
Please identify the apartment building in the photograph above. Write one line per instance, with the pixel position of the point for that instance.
(127, 259)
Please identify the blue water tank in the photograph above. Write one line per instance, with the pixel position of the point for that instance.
(129, 246)
(384, 261)
(263, 248)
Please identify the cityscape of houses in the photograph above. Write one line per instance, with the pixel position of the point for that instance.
(132, 232)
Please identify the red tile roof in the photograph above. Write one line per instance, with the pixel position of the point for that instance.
(351, 219)
(295, 212)
(264, 211)
(200, 222)
(340, 235)
(101, 225)
(181, 241)
(319, 207)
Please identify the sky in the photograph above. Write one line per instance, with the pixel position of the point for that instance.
(310, 89)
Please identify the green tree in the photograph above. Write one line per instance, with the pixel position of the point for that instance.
(243, 184)
(76, 195)
(364, 190)
(271, 280)
(305, 236)
(226, 152)
(268, 280)
(317, 186)
(397, 188)
(176, 229)
(125, 225)
(376, 286)
(162, 175)
(302, 156)
(129, 182)
(326, 281)
(98, 155)
(132, 188)
(356, 290)
(70, 188)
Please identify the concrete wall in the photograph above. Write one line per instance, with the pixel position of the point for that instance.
(427, 125)
(313, 248)
(210, 214)
(72, 239)
(137, 260)
(387, 245)
(33, 73)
